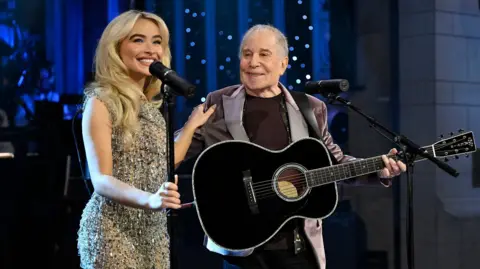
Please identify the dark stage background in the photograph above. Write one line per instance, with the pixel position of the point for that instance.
(47, 50)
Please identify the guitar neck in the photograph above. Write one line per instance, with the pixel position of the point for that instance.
(330, 174)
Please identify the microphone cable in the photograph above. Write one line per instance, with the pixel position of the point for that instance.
(78, 151)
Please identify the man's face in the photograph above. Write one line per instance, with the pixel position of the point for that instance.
(262, 61)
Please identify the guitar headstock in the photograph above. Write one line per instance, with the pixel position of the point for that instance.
(462, 143)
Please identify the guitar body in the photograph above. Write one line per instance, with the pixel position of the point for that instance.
(245, 193)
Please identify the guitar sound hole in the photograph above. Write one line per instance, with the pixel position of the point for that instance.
(290, 183)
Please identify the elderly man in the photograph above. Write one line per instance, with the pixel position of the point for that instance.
(261, 110)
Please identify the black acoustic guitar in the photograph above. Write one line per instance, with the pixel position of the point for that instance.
(245, 193)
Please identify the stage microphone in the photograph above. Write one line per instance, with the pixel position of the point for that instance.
(177, 85)
(325, 87)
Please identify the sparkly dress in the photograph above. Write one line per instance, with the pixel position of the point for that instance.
(116, 236)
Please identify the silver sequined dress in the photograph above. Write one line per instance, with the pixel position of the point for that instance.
(116, 236)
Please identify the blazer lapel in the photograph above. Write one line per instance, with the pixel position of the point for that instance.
(233, 113)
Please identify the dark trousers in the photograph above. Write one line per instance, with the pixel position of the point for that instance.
(273, 259)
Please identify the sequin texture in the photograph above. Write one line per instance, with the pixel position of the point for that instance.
(116, 236)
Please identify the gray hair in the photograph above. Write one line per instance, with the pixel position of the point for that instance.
(281, 39)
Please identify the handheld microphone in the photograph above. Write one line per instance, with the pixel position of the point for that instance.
(326, 87)
(178, 85)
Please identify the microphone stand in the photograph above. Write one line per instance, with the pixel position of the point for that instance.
(169, 108)
(172, 85)
(410, 150)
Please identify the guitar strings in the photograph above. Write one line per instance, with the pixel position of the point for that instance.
(287, 191)
(373, 161)
(321, 173)
(348, 163)
(267, 184)
(292, 186)
(291, 190)
(264, 189)
(298, 179)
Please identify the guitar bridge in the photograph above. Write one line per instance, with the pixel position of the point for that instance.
(252, 201)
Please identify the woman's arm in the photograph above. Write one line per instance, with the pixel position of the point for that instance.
(97, 135)
(182, 144)
(183, 140)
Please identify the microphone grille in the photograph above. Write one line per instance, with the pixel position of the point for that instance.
(344, 85)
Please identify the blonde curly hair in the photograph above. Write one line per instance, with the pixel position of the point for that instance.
(112, 82)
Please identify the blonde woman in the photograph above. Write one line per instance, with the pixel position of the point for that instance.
(124, 223)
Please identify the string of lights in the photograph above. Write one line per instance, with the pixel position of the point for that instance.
(211, 32)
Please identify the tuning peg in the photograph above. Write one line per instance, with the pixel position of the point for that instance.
(446, 160)
(451, 133)
(456, 157)
(461, 130)
(441, 136)
(466, 156)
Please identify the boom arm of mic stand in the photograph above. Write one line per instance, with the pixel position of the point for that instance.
(400, 140)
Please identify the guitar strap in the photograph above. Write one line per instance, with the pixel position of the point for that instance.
(301, 99)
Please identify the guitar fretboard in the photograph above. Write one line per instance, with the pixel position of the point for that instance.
(351, 169)
(344, 171)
